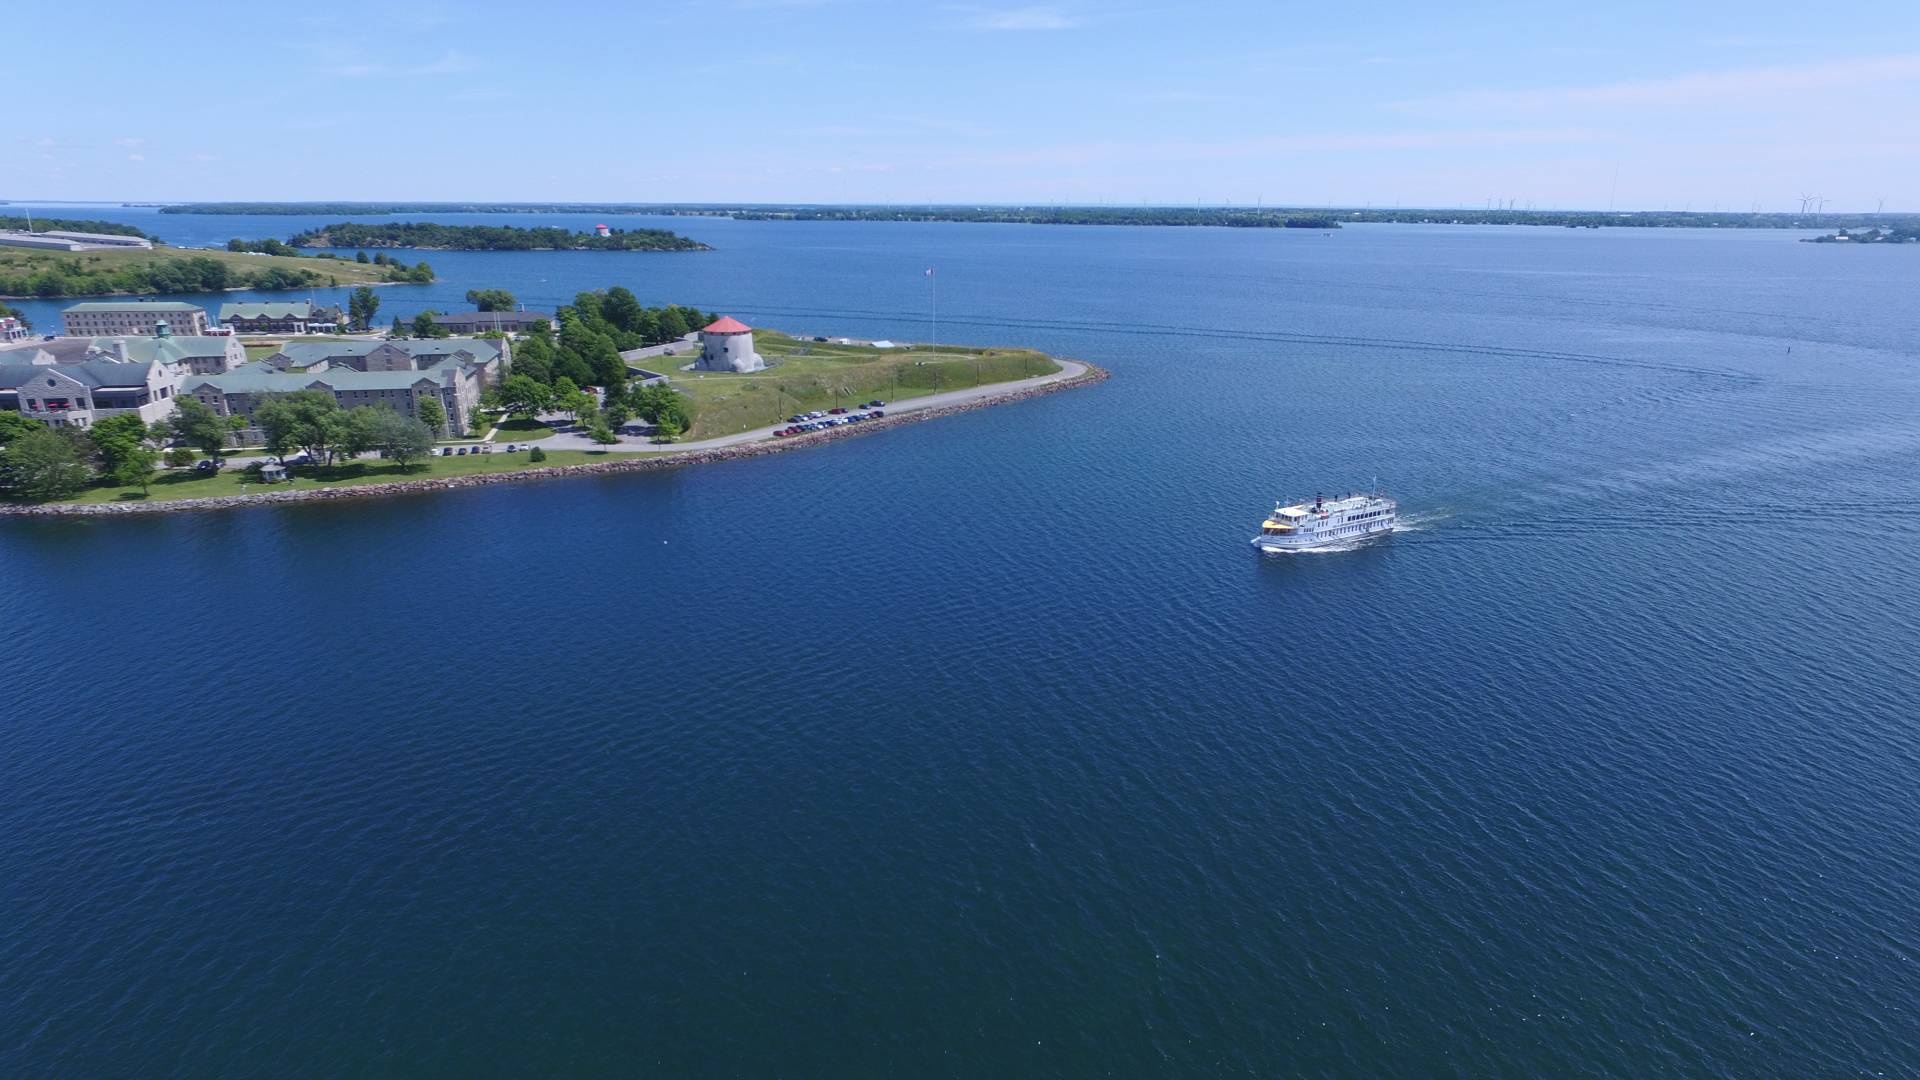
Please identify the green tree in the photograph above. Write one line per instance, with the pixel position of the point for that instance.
(432, 414)
(361, 430)
(399, 328)
(570, 399)
(361, 257)
(622, 309)
(672, 325)
(135, 467)
(521, 396)
(7, 311)
(198, 426)
(490, 299)
(179, 458)
(534, 358)
(362, 303)
(666, 429)
(42, 465)
(13, 425)
(309, 420)
(536, 454)
(405, 439)
(424, 326)
(659, 401)
(116, 437)
(602, 434)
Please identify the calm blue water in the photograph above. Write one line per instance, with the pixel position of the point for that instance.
(987, 747)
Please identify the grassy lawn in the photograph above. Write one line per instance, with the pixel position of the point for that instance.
(342, 271)
(186, 484)
(805, 375)
(523, 430)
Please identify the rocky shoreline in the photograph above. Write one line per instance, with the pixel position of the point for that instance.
(634, 463)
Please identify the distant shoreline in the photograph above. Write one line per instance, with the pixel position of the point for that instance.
(637, 463)
(1271, 217)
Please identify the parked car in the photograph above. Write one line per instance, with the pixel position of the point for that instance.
(874, 404)
(209, 465)
(512, 447)
(876, 414)
(838, 410)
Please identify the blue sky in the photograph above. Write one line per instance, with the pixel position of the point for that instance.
(1641, 105)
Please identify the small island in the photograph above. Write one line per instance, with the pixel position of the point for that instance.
(426, 235)
(1895, 235)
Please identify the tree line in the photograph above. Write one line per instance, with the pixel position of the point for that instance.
(13, 223)
(392, 269)
(39, 462)
(550, 367)
(426, 234)
(49, 276)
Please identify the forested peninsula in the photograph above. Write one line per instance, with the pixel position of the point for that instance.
(26, 272)
(1909, 234)
(13, 223)
(427, 235)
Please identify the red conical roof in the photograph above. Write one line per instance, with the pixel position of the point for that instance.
(726, 324)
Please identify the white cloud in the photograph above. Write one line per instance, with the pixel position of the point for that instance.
(136, 157)
(131, 141)
(1110, 153)
(1692, 89)
(451, 62)
(1043, 17)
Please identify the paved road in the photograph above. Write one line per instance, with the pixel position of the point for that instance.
(1069, 369)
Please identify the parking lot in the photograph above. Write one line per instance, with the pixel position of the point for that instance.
(801, 423)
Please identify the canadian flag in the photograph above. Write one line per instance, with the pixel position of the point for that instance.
(929, 271)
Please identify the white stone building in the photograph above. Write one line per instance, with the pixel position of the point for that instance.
(84, 393)
(726, 344)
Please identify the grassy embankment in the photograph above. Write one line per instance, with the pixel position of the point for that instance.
(15, 262)
(508, 431)
(806, 375)
(187, 484)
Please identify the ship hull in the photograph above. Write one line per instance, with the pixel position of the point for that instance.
(1332, 537)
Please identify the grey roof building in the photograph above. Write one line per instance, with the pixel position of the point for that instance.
(411, 354)
(456, 382)
(134, 318)
(81, 393)
(279, 317)
(191, 355)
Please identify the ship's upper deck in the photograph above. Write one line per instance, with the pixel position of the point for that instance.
(1341, 505)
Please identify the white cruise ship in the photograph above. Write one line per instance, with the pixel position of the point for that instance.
(1323, 523)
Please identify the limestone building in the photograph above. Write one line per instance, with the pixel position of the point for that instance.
(726, 344)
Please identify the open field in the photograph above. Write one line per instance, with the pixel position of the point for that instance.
(186, 484)
(805, 375)
(22, 262)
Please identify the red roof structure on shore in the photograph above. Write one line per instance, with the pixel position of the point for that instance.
(726, 324)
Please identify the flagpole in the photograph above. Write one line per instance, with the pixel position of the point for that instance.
(936, 307)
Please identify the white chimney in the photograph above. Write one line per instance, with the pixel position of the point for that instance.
(120, 350)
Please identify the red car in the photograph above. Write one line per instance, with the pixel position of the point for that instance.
(838, 412)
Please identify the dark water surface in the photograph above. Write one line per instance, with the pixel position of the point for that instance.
(987, 747)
